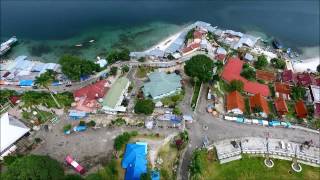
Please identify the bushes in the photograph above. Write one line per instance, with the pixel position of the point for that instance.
(118, 55)
(31, 98)
(197, 163)
(123, 139)
(177, 111)
(145, 106)
(261, 63)
(248, 72)
(118, 122)
(278, 63)
(113, 70)
(91, 123)
(66, 127)
(235, 85)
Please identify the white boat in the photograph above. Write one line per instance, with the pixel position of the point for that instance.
(91, 41)
(5, 46)
(78, 45)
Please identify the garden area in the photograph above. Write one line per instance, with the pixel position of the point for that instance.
(143, 71)
(205, 165)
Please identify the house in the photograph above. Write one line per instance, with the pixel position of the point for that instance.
(258, 101)
(113, 99)
(235, 103)
(281, 106)
(11, 130)
(301, 109)
(232, 71)
(248, 57)
(161, 84)
(197, 36)
(282, 90)
(265, 75)
(190, 49)
(135, 160)
(221, 50)
(287, 76)
(315, 93)
(221, 57)
(101, 62)
(303, 79)
(87, 98)
(75, 115)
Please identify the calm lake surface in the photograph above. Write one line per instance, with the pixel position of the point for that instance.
(48, 29)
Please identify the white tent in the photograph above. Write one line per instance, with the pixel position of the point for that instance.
(11, 130)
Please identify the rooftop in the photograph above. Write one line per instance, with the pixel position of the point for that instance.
(301, 109)
(282, 88)
(259, 101)
(235, 100)
(115, 92)
(281, 106)
(265, 75)
(161, 83)
(93, 91)
(287, 75)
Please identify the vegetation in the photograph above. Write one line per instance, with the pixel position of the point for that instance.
(32, 98)
(123, 139)
(125, 69)
(196, 91)
(176, 111)
(33, 167)
(118, 55)
(236, 85)
(67, 127)
(200, 66)
(172, 101)
(272, 91)
(189, 35)
(145, 106)
(118, 122)
(318, 68)
(5, 95)
(142, 59)
(75, 68)
(261, 63)
(247, 106)
(170, 156)
(91, 123)
(181, 140)
(113, 71)
(142, 71)
(298, 92)
(205, 166)
(248, 72)
(278, 63)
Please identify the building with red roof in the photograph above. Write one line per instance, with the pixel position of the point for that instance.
(86, 97)
(232, 71)
(282, 90)
(265, 75)
(220, 57)
(281, 106)
(258, 101)
(287, 76)
(191, 48)
(197, 34)
(303, 79)
(235, 103)
(14, 99)
(301, 109)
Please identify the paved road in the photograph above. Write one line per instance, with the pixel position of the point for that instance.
(219, 129)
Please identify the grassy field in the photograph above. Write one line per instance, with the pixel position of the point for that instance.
(169, 155)
(143, 71)
(251, 168)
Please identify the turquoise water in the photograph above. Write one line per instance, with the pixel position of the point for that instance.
(47, 28)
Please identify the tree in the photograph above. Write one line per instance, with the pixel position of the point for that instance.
(298, 92)
(278, 63)
(72, 177)
(236, 85)
(248, 72)
(145, 106)
(125, 69)
(200, 66)
(318, 68)
(176, 111)
(75, 68)
(118, 55)
(189, 35)
(45, 80)
(257, 109)
(261, 63)
(142, 59)
(113, 70)
(34, 167)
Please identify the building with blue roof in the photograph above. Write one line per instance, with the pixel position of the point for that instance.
(135, 160)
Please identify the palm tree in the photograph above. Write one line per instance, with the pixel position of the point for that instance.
(44, 80)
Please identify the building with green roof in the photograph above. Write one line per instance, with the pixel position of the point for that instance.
(161, 84)
(114, 97)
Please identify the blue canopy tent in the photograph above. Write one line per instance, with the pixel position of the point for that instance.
(135, 161)
(26, 83)
(73, 114)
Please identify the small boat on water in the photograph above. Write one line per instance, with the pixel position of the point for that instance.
(78, 45)
(6, 46)
(277, 44)
(91, 41)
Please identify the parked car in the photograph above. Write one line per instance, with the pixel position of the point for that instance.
(75, 164)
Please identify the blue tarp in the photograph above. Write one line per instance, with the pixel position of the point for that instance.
(80, 128)
(239, 120)
(274, 123)
(77, 114)
(135, 161)
(26, 83)
(176, 119)
(155, 175)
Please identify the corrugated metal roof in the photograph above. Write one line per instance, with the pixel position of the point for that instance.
(116, 91)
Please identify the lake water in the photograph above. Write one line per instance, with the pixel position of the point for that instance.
(48, 28)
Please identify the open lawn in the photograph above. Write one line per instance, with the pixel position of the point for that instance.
(143, 71)
(196, 90)
(250, 168)
(169, 156)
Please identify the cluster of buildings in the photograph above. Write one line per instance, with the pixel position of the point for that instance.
(258, 93)
(103, 95)
(22, 71)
